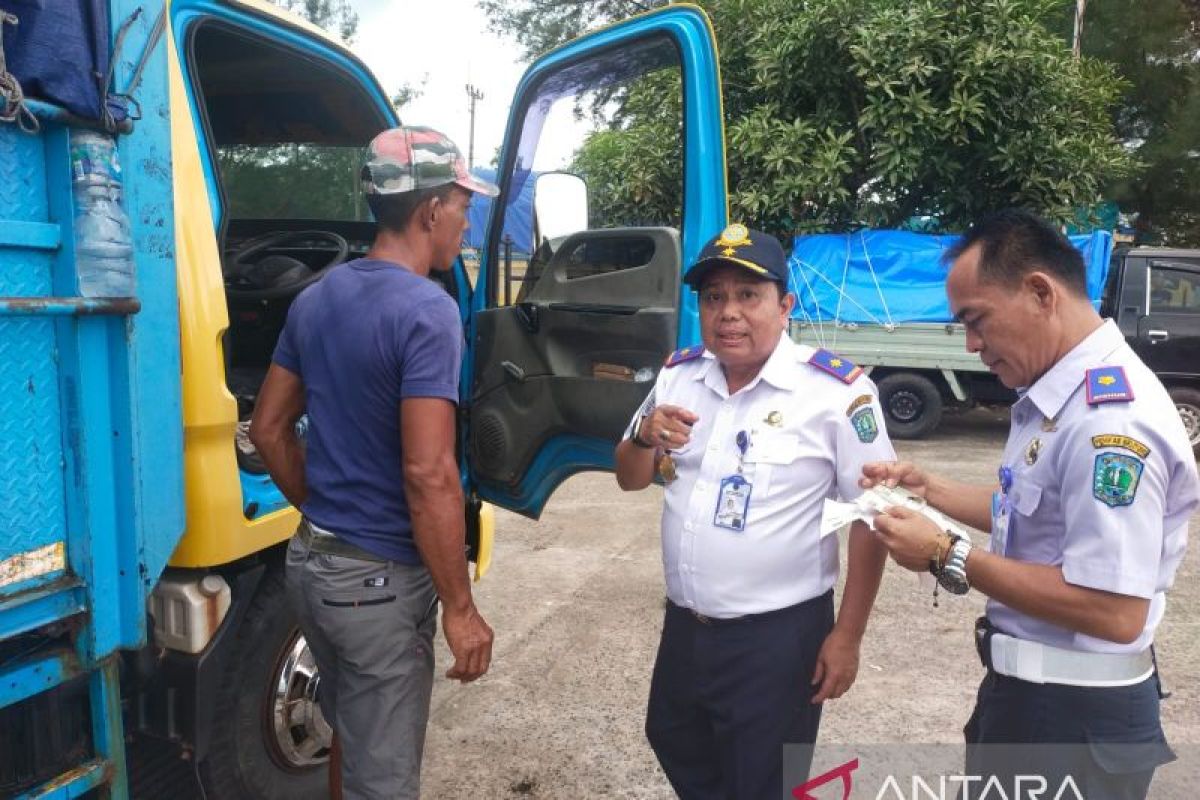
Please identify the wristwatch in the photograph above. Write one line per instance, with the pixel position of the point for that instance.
(953, 577)
(637, 439)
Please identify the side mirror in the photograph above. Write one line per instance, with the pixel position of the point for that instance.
(560, 206)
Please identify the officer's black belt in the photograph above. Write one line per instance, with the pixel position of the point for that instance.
(319, 541)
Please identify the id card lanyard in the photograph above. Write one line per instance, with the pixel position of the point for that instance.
(1001, 512)
(733, 500)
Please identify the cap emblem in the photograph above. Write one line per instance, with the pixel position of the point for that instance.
(733, 237)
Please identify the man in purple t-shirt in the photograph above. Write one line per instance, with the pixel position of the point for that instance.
(372, 354)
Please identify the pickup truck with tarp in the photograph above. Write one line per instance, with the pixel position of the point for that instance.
(878, 298)
(172, 175)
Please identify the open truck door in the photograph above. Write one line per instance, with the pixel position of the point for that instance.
(556, 373)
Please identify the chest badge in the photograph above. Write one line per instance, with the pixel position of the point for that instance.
(1033, 451)
(774, 419)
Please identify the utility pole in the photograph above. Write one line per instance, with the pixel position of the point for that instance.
(473, 95)
(1080, 8)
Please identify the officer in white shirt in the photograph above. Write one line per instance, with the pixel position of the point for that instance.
(1088, 521)
(750, 433)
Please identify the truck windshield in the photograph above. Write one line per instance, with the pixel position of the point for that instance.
(292, 181)
(285, 128)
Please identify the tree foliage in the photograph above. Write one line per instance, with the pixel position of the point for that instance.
(633, 168)
(1155, 47)
(539, 26)
(845, 113)
(336, 16)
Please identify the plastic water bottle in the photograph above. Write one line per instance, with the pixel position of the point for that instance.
(103, 244)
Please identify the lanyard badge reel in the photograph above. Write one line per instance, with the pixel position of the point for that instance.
(733, 500)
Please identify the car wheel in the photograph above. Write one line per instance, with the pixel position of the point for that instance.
(1187, 403)
(912, 405)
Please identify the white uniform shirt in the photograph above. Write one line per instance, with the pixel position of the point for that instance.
(803, 448)
(1067, 506)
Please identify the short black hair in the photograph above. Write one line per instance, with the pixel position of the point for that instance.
(395, 211)
(1015, 242)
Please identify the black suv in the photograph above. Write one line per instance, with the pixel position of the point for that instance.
(1154, 295)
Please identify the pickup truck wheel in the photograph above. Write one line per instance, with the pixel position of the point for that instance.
(274, 743)
(912, 405)
(1187, 403)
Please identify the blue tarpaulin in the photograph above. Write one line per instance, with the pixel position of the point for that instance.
(518, 222)
(895, 276)
(57, 49)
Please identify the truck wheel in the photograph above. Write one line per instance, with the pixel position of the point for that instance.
(1187, 403)
(276, 743)
(912, 405)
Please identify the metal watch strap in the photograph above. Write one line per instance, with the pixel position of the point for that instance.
(637, 439)
(954, 574)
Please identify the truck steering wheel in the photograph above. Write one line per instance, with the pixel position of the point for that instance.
(277, 276)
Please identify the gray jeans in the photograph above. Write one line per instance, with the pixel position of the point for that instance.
(370, 625)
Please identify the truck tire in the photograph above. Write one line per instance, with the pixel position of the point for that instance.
(261, 755)
(912, 405)
(1187, 403)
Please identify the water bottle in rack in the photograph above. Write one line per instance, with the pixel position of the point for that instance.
(103, 244)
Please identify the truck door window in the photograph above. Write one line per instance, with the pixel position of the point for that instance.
(1174, 291)
(578, 121)
(284, 131)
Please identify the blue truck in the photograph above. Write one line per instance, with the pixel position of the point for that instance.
(155, 225)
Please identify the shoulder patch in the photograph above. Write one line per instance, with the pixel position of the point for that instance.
(1124, 442)
(1108, 385)
(1115, 478)
(865, 425)
(686, 354)
(844, 370)
(859, 402)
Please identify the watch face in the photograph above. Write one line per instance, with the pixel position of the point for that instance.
(954, 581)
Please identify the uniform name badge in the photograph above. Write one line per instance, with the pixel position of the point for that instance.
(733, 501)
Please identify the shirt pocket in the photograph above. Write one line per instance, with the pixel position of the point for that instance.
(1025, 502)
(1025, 499)
(769, 452)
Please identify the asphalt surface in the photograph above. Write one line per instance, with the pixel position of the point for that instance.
(576, 600)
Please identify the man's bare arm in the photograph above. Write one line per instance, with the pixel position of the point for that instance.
(273, 431)
(435, 502)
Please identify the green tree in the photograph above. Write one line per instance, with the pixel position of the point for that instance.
(336, 16)
(844, 113)
(539, 26)
(1155, 47)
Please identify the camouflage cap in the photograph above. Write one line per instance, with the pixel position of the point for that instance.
(409, 158)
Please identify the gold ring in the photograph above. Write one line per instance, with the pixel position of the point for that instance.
(664, 435)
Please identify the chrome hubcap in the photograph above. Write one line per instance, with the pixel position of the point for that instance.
(301, 735)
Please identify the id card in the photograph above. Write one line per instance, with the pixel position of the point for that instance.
(732, 503)
(1000, 517)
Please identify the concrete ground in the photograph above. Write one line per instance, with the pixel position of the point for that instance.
(576, 602)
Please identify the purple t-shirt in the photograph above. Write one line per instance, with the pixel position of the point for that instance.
(366, 336)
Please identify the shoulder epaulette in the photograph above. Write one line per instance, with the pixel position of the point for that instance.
(1108, 385)
(686, 354)
(844, 370)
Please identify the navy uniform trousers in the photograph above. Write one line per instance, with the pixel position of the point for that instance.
(1107, 740)
(727, 694)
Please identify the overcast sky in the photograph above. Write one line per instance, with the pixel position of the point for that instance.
(448, 40)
